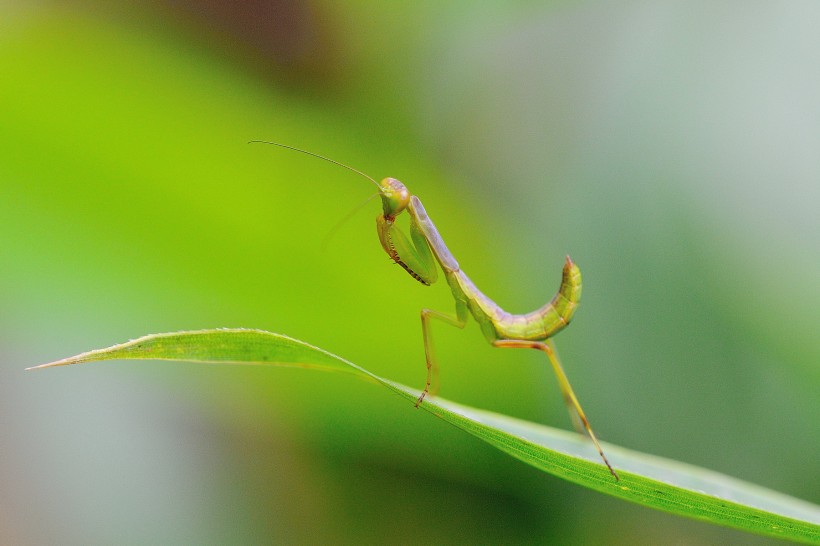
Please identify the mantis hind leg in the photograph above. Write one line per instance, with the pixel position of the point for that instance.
(429, 350)
(574, 407)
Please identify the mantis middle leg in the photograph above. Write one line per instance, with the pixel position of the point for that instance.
(570, 399)
(429, 351)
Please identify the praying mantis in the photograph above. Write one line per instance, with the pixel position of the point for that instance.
(425, 248)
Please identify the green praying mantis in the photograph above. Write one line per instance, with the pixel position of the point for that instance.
(418, 256)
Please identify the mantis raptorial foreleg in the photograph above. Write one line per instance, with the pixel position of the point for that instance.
(506, 330)
(429, 348)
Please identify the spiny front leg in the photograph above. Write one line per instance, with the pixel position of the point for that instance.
(566, 389)
(429, 350)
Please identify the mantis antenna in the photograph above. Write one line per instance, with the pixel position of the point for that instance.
(350, 214)
(342, 222)
(339, 163)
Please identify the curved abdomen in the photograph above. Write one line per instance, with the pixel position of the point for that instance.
(537, 325)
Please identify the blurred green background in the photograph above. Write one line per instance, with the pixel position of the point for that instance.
(672, 149)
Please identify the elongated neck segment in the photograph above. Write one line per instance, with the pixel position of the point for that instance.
(443, 256)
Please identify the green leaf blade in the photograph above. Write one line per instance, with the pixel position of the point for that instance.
(218, 346)
(651, 481)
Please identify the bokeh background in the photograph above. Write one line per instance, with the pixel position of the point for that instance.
(671, 148)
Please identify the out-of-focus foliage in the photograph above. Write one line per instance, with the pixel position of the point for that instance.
(669, 148)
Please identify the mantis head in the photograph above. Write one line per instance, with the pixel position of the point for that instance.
(395, 197)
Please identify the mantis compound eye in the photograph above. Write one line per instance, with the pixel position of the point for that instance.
(395, 197)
